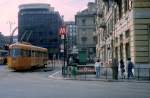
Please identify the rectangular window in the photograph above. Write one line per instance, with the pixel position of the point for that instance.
(127, 34)
(115, 16)
(120, 8)
(121, 37)
(15, 52)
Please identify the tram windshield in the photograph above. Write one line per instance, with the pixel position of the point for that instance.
(3, 53)
(15, 52)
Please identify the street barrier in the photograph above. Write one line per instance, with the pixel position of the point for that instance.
(106, 73)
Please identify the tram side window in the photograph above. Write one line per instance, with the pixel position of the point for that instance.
(4, 53)
(36, 53)
(32, 53)
(25, 53)
(45, 54)
(41, 54)
(29, 53)
(15, 52)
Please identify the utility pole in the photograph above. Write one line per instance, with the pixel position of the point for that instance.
(10, 25)
(12, 34)
(10, 30)
(63, 48)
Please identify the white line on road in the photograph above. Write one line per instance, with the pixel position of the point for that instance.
(56, 75)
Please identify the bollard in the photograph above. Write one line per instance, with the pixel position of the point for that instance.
(74, 71)
(64, 71)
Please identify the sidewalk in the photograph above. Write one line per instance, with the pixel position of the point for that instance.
(58, 76)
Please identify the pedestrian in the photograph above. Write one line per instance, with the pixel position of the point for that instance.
(122, 69)
(70, 60)
(97, 68)
(130, 67)
(115, 68)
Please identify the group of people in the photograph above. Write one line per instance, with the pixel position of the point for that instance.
(115, 65)
(130, 66)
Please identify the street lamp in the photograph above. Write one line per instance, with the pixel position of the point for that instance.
(62, 33)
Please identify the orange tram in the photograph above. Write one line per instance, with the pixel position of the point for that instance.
(24, 56)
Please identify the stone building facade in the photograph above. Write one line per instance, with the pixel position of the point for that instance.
(85, 22)
(123, 30)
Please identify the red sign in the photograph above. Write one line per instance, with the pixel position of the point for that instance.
(62, 30)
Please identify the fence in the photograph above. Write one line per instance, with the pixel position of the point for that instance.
(142, 73)
(106, 73)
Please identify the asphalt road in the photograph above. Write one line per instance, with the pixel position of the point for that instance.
(36, 84)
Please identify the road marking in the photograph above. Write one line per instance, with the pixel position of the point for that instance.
(56, 75)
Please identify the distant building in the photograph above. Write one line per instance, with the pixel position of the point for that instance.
(85, 22)
(39, 25)
(15, 39)
(71, 35)
(3, 41)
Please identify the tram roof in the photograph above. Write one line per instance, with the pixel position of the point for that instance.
(26, 46)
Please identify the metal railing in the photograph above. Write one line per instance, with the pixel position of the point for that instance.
(106, 73)
(142, 73)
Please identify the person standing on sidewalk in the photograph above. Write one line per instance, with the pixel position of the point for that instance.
(122, 69)
(97, 68)
(130, 67)
(115, 68)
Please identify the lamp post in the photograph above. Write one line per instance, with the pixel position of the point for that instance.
(10, 30)
(62, 33)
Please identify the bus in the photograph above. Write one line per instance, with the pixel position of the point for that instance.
(3, 57)
(25, 56)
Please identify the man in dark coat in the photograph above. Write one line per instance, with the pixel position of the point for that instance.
(130, 67)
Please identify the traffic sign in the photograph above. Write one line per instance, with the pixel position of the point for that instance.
(62, 30)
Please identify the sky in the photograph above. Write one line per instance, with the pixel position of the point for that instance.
(9, 11)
